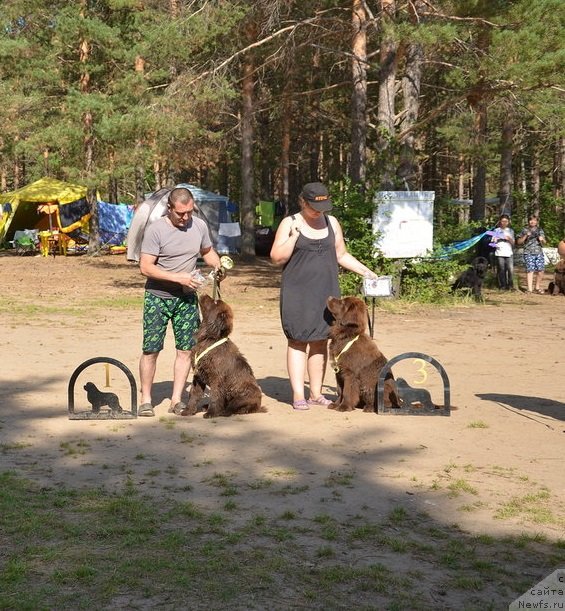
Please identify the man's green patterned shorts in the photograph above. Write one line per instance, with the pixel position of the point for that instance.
(182, 311)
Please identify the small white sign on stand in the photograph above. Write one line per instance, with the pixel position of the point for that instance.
(376, 287)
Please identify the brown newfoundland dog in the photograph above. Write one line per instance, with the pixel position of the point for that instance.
(218, 364)
(356, 359)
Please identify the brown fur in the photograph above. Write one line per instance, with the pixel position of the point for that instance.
(100, 399)
(557, 286)
(361, 364)
(233, 387)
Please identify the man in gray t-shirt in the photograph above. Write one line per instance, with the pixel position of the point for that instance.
(169, 251)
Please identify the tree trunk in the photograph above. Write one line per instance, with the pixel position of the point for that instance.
(88, 140)
(558, 173)
(506, 153)
(408, 170)
(462, 210)
(386, 106)
(247, 209)
(478, 208)
(357, 170)
(535, 180)
(18, 167)
(284, 189)
(139, 67)
(315, 131)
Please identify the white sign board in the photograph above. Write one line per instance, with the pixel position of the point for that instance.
(403, 223)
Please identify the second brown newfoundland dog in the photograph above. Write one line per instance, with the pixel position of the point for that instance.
(218, 364)
(356, 359)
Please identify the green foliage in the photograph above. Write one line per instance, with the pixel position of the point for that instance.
(551, 214)
(354, 210)
(429, 280)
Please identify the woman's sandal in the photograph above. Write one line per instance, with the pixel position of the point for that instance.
(321, 400)
(300, 405)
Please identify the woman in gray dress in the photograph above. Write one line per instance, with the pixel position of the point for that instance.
(311, 247)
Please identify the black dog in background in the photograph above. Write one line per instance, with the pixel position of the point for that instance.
(473, 278)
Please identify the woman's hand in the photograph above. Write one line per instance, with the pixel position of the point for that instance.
(295, 227)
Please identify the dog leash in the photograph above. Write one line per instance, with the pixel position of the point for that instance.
(204, 352)
(345, 349)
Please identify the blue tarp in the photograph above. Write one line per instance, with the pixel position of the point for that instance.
(114, 221)
(457, 247)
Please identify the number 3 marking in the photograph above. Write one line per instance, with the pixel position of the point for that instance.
(422, 370)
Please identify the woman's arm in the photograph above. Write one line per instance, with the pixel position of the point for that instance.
(285, 239)
(345, 259)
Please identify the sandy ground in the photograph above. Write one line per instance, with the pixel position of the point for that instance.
(504, 441)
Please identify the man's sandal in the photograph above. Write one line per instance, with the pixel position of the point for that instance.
(146, 409)
(177, 408)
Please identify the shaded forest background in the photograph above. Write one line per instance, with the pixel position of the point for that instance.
(254, 98)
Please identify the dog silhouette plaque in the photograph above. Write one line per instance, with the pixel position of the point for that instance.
(104, 405)
(414, 401)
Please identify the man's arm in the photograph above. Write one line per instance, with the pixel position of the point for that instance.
(148, 268)
(210, 257)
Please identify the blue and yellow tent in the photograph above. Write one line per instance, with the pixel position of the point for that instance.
(21, 209)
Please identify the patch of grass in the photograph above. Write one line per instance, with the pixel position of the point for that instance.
(336, 478)
(398, 515)
(169, 552)
(16, 445)
(285, 490)
(325, 551)
(74, 448)
(287, 473)
(367, 532)
(477, 424)
(223, 481)
(471, 507)
(463, 582)
(535, 507)
(459, 486)
(449, 467)
(170, 423)
(186, 437)
(260, 484)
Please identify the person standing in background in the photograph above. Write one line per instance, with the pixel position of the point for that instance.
(503, 239)
(532, 238)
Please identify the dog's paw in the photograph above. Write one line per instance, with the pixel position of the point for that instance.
(344, 408)
(333, 406)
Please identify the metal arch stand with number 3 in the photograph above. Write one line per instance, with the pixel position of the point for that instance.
(409, 395)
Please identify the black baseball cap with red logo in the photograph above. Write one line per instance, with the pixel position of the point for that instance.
(317, 196)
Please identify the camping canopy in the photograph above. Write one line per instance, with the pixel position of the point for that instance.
(215, 209)
(21, 208)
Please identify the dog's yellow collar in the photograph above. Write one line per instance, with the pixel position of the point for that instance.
(345, 349)
(214, 345)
